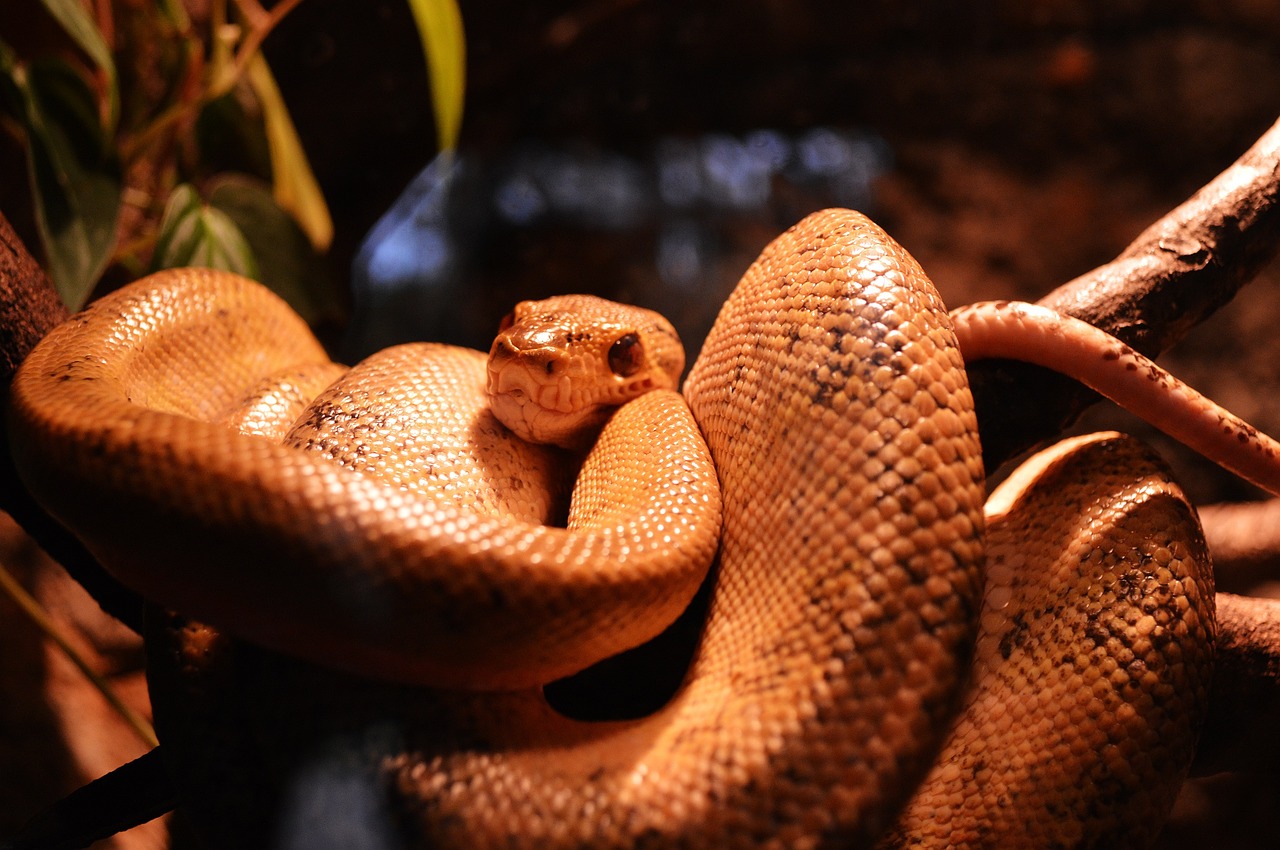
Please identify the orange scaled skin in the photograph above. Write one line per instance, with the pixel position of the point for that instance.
(846, 604)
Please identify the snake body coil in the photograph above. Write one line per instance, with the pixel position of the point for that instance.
(845, 605)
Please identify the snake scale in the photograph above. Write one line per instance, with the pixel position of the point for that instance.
(388, 559)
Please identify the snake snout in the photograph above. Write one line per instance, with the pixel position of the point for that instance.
(527, 393)
(510, 380)
(533, 352)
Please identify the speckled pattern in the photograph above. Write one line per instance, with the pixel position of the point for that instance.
(1094, 654)
(833, 400)
(843, 617)
(347, 543)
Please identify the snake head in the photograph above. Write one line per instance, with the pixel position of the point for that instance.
(560, 366)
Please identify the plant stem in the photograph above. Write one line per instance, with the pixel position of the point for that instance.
(44, 622)
(258, 25)
(256, 33)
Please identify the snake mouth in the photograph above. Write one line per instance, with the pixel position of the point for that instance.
(516, 395)
(537, 410)
(512, 381)
(535, 423)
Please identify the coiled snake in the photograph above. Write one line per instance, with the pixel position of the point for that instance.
(380, 522)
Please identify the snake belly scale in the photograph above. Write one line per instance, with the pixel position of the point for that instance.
(847, 600)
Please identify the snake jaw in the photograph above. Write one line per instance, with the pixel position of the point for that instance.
(535, 395)
(537, 411)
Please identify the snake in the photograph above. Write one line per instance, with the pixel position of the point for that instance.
(399, 556)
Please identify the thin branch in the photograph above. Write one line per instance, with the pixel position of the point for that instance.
(30, 606)
(252, 12)
(258, 26)
(258, 29)
(132, 794)
(1244, 538)
(183, 111)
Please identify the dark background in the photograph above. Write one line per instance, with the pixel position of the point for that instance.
(1016, 144)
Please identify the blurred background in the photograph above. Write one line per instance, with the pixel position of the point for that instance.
(648, 149)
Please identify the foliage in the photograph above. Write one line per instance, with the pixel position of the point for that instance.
(74, 177)
(122, 122)
(440, 29)
(193, 233)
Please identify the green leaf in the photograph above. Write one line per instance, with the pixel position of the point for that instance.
(230, 137)
(193, 233)
(440, 31)
(76, 183)
(293, 182)
(75, 20)
(287, 263)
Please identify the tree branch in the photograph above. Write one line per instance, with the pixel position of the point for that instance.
(29, 309)
(1244, 538)
(1241, 733)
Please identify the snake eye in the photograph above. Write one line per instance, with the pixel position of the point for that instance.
(626, 355)
(507, 321)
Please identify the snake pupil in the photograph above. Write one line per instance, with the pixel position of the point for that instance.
(625, 355)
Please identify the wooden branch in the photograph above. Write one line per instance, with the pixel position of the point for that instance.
(29, 306)
(1245, 541)
(1241, 733)
(1173, 276)
(132, 794)
(29, 309)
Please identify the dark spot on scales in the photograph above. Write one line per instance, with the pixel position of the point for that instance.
(1096, 632)
(822, 390)
(1015, 637)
